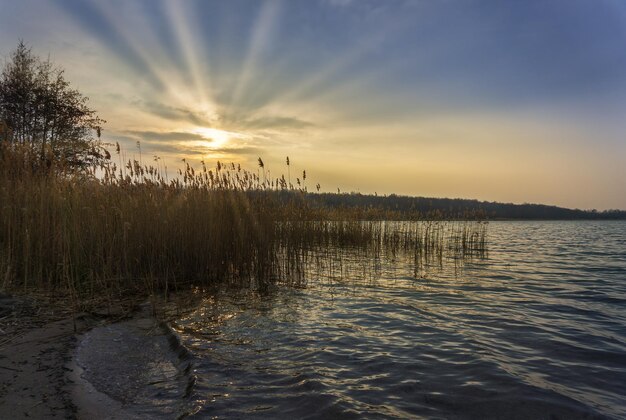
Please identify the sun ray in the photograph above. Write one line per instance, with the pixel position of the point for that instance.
(106, 32)
(216, 138)
(259, 39)
(314, 85)
(155, 59)
(198, 67)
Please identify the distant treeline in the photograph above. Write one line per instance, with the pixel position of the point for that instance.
(455, 207)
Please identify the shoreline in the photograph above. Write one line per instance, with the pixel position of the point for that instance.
(48, 365)
(33, 370)
(139, 364)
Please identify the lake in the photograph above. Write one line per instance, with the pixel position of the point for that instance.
(534, 329)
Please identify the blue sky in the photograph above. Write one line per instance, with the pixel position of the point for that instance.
(516, 101)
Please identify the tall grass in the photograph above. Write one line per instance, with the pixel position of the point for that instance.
(306, 246)
(124, 228)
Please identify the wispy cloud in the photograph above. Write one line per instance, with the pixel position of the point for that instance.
(268, 122)
(237, 120)
(444, 88)
(185, 143)
(172, 113)
(339, 3)
(168, 136)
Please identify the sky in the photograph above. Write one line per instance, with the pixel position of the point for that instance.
(511, 101)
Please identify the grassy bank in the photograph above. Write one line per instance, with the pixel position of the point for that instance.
(123, 228)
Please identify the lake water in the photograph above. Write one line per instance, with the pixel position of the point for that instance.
(535, 329)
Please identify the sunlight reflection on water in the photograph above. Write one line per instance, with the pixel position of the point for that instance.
(536, 329)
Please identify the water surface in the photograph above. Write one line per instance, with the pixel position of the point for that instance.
(537, 329)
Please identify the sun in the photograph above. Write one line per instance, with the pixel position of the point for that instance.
(217, 137)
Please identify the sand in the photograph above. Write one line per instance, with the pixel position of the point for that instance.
(33, 380)
(87, 367)
(38, 379)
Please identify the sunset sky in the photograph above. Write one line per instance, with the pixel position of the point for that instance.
(514, 101)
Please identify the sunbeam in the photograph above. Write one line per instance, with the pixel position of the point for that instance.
(187, 42)
(260, 37)
(216, 138)
(367, 78)
(273, 183)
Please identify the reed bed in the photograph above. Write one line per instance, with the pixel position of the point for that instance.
(120, 228)
(308, 246)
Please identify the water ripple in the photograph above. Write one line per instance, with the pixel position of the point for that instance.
(536, 330)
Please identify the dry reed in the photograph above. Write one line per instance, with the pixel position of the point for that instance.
(122, 228)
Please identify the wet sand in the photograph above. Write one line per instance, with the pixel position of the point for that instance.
(33, 371)
(133, 369)
(87, 367)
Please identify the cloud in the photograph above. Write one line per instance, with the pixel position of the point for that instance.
(174, 113)
(339, 3)
(191, 149)
(236, 121)
(166, 136)
(244, 150)
(182, 143)
(271, 122)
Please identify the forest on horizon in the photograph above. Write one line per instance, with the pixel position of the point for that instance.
(452, 208)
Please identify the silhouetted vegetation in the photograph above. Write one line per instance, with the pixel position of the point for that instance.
(130, 230)
(111, 228)
(40, 110)
(403, 207)
(114, 227)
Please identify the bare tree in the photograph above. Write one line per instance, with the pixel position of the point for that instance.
(38, 108)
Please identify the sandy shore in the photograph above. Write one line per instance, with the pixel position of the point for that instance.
(34, 353)
(88, 367)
